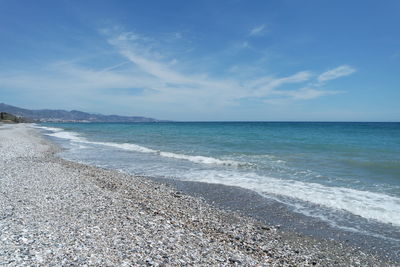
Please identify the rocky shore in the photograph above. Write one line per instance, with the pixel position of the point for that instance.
(55, 212)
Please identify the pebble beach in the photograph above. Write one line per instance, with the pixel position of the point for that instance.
(55, 212)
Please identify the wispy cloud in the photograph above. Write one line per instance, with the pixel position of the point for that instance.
(335, 73)
(147, 75)
(306, 93)
(258, 30)
(222, 90)
(263, 86)
(116, 66)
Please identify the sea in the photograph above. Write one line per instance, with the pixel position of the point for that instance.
(343, 173)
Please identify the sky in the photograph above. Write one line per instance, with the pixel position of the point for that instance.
(233, 60)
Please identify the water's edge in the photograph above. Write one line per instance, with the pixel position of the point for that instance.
(271, 212)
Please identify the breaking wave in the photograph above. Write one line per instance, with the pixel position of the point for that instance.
(75, 137)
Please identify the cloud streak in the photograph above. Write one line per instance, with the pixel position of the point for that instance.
(201, 86)
(258, 30)
(145, 77)
(335, 73)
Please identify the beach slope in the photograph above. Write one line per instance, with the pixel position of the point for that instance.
(55, 212)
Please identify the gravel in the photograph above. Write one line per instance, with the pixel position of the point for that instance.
(55, 212)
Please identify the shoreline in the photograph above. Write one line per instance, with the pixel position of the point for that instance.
(107, 217)
(269, 211)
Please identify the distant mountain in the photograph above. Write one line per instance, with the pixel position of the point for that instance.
(49, 115)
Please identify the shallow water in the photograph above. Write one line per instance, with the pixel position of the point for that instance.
(336, 172)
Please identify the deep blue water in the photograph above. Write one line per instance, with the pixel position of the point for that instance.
(340, 168)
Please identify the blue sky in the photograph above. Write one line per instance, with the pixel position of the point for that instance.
(204, 60)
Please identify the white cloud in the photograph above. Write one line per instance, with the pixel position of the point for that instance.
(116, 66)
(306, 93)
(338, 72)
(282, 97)
(200, 85)
(151, 78)
(258, 30)
(262, 86)
(128, 36)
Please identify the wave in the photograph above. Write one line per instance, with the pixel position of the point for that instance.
(51, 129)
(75, 137)
(70, 136)
(370, 205)
(126, 146)
(205, 160)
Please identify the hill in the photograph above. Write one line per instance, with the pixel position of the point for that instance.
(50, 115)
(10, 118)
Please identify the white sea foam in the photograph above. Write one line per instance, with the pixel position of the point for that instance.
(370, 205)
(60, 133)
(203, 160)
(126, 146)
(195, 159)
(72, 136)
(51, 129)
(75, 137)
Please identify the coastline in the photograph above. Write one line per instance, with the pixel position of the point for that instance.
(269, 211)
(60, 212)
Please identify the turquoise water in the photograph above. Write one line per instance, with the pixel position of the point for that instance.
(327, 170)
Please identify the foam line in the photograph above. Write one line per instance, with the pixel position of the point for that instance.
(370, 205)
(72, 136)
